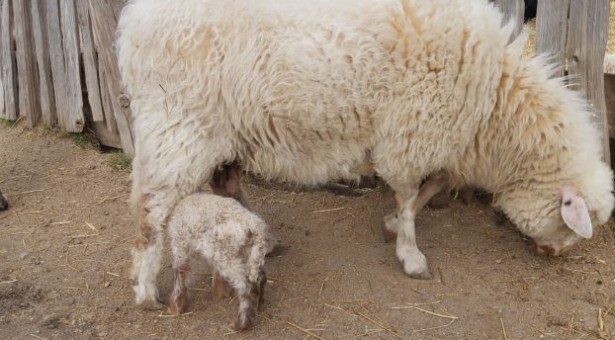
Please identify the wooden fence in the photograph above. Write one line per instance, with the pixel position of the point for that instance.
(72, 79)
(59, 67)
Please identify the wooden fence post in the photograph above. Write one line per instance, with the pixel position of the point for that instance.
(27, 74)
(551, 31)
(8, 78)
(56, 56)
(39, 30)
(104, 24)
(90, 61)
(75, 121)
(574, 33)
(513, 9)
(587, 39)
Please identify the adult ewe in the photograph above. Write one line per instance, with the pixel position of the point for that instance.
(304, 90)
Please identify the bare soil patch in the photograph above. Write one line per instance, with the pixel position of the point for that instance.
(64, 260)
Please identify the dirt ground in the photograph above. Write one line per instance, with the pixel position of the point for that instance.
(64, 260)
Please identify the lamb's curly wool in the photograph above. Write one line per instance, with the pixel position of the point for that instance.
(232, 240)
(305, 90)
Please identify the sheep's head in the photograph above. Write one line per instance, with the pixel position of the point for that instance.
(558, 217)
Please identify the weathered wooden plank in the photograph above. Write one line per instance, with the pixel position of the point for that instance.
(56, 55)
(9, 80)
(552, 31)
(75, 120)
(90, 62)
(39, 30)
(586, 46)
(27, 74)
(106, 99)
(104, 24)
(513, 10)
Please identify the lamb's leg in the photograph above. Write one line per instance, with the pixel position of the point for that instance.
(4, 203)
(434, 184)
(235, 273)
(181, 270)
(261, 282)
(249, 297)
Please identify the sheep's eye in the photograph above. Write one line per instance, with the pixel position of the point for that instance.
(567, 203)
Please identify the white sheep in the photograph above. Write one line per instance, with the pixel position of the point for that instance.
(231, 239)
(305, 90)
(4, 203)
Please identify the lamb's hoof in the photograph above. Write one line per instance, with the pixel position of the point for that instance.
(388, 235)
(152, 305)
(245, 323)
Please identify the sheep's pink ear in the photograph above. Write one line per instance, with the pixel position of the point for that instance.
(575, 212)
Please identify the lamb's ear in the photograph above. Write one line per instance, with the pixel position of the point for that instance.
(575, 212)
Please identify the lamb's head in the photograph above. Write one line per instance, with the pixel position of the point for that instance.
(558, 215)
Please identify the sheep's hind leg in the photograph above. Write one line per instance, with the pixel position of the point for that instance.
(410, 201)
(434, 185)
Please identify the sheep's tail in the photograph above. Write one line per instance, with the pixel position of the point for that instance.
(256, 259)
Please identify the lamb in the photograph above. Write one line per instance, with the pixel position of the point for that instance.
(232, 240)
(304, 91)
(4, 203)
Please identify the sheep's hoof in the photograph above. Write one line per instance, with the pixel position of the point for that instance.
(414, 262)
(388, 235)
(426, 275)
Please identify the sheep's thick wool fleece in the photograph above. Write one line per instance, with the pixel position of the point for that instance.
(306, 90)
